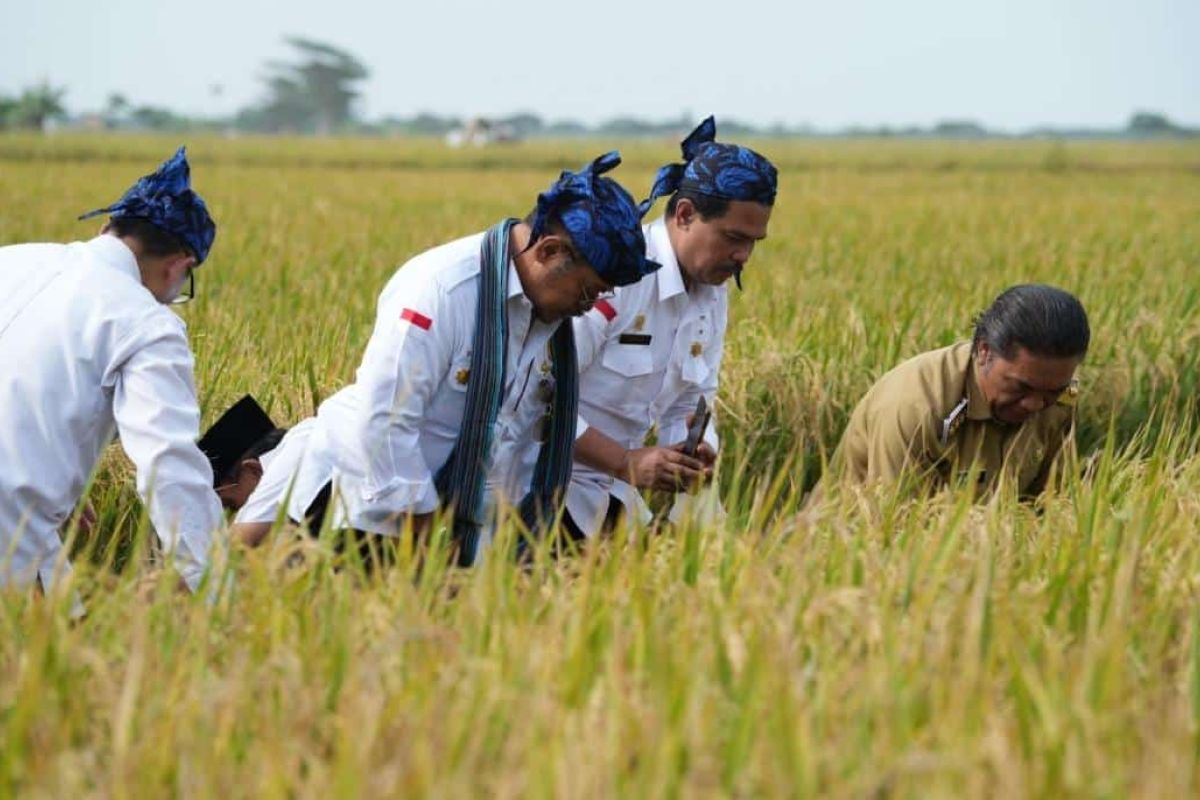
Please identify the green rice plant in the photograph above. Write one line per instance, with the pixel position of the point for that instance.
(871, 646)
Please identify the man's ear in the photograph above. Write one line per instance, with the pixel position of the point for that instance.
(182, 262)
(549, 247)
(983, 356)
(251, 467)
(685, 213)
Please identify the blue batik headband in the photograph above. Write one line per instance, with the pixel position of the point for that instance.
(716, 169)
(602, 219)
(165, 199)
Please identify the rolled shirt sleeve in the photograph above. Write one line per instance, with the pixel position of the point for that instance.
(158, 420)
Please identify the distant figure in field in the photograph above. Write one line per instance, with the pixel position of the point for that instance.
(88, 349)
(998, 408)
(470, 366)
(648, 355)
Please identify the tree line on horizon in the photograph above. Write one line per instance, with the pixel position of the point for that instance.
(316, 93)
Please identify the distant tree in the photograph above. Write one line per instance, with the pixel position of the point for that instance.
(733, 127)
(314, 95)
(1147, 123)
(963, 128)
(426, 124)
(566, 127)
(38, 105)
(153, 118)
(629, 126)
(7, 106)
(523, 124)
(115, 110)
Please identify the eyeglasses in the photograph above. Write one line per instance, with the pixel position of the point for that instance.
(186, 295)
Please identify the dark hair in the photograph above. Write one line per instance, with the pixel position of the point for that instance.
(1044, 320)
(154, 240)
(266, 444)
(554, 227)
(707, 206)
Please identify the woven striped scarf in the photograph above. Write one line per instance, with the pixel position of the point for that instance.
(461, 480)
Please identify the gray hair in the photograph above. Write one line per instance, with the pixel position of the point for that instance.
(1044, 320)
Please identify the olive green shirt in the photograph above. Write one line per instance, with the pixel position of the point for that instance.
(929, 416)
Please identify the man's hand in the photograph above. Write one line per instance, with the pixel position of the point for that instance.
(88, 520)
(664, 469)
(422, 526)
(250, 534)
(707, 456)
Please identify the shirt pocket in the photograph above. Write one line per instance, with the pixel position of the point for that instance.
(629, 360)
(694, 355)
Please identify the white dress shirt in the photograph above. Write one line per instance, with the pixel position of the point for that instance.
(86, 352)
(280, 480)
(385, 436)
(627, 388)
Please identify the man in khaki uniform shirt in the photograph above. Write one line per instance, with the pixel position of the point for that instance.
(999, 406)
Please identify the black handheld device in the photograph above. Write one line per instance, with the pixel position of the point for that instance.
(698, 426)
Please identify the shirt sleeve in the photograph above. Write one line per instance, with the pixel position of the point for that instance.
(282, 466)
(406, 360)
(593, 329)
(158, 420)
(592, 332)
(897, 443)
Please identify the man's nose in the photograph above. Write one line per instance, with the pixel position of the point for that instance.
(742, 254)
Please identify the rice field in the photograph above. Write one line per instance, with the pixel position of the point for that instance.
(893, 648)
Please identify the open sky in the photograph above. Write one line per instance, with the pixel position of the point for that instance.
(1011, 65)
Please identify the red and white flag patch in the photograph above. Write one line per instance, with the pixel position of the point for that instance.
(416, 318)
(606, 309)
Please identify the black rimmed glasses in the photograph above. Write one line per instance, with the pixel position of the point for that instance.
(188, 293)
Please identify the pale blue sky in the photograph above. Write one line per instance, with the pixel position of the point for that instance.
(1011, 64)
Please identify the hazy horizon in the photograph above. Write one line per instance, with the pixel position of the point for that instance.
(1026, 64)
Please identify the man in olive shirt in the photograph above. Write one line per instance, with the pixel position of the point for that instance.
(998, 407)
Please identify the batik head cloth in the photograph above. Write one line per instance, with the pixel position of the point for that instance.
(166, 200)
(602, 219)
(716, 169)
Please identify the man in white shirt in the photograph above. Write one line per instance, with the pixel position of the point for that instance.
(240, 446)
(467, 370)
(649, 354)
(88, 349)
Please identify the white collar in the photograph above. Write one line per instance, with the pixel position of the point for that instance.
(670, 277)
(515, 289)
(112, 252)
